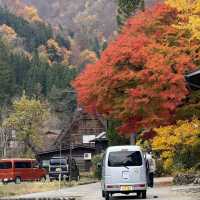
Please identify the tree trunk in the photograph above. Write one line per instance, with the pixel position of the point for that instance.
(133, 138)
(29, 145)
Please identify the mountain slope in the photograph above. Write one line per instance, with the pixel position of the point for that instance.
(83, 19)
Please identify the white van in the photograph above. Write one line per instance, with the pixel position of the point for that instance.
(124, 171)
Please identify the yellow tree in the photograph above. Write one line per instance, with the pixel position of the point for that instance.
(8, 34)
(178, 144)
(189, 14)
(57, 53)
(29, 13)
(53, 53)
(26, 119)
(87, 56)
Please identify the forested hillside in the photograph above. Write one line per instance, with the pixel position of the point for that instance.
(85, 20)
(36, 70)
(33, 59)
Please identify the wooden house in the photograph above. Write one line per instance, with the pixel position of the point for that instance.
(79, 138)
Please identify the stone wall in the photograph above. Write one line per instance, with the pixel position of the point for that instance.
(186, 179)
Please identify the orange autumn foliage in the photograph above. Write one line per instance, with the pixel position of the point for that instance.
(139, 78)
(28, 12)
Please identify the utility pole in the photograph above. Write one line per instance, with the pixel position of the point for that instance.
(71, 145)
(133, 139)
(70, 161)
(60, 166)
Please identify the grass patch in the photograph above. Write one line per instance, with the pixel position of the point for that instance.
(12, 189)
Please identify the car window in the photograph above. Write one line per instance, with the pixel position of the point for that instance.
(5, 165)
(20, 165)
(58, 161)
(124, 158)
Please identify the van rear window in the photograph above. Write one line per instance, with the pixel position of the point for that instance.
(5, 165)
(124, 158)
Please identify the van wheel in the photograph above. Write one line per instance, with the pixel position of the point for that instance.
(107, 196)
(138, 194)
(144, 194)
(43, 179)
(17, 180)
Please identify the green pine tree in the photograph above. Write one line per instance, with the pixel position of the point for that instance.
(113, 137)
(126, 8)
(7, 80)
(6, 83)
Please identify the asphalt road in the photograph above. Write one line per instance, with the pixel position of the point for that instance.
(93, 192)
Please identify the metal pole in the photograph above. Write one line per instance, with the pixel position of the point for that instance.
(4, 143)
(60, 166)
(133, 139)
(70, 162)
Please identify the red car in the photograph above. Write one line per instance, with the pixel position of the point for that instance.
(18, 170)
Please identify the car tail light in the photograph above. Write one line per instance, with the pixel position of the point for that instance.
(139, 185)
(113, 186)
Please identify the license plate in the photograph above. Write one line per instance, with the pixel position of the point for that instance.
(126, 188)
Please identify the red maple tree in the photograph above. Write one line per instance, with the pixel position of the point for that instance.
(139, 78)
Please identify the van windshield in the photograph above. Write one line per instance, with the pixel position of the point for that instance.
(124, 158)
(5, 165)
(58, 162)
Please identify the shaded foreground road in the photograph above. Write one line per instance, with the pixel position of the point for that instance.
(93, 192)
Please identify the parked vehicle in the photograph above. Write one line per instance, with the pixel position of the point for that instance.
(60, 166)
(18, 170)
(124, 171)
(45, 165)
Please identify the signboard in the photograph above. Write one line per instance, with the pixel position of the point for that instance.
(87, 156)
(88, 138)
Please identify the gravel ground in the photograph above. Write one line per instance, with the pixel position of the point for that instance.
(93, 192)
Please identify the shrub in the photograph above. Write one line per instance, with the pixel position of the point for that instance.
(197, 167)
(96, 162)
(179, 145)
(160, 170)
